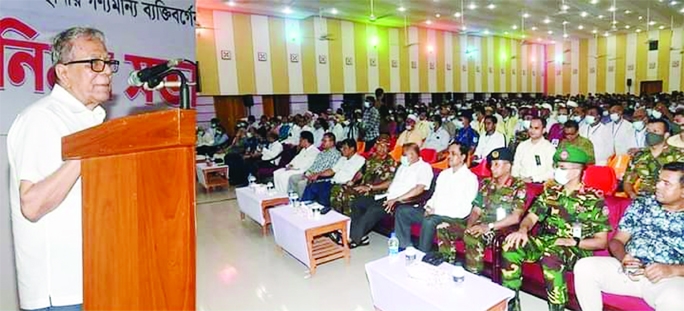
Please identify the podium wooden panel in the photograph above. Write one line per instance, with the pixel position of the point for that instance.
(138, 179)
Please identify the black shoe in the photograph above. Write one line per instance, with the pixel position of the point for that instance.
(364, 241)
(335, 237)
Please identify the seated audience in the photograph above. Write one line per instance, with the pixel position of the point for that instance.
(622, 130)
(572, 137)
(491, 140)
(439, 138)
(466, 135)
(556, 131)
(443, 207)
(204, 138)
(411, 134)
(599, 134)
(324, 160)
(266, 157)
(648, 260)
(301, 162)
(639, 121)
(534, 157)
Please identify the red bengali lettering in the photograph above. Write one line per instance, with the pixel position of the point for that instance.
(169, 95)
(27, 55)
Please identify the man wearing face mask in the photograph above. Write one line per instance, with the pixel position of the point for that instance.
(449, 126)
(573, 222)
(423, 124)
(622, 130)
(508, 123)
(499, 205)
(438, 139)
(572, 137)
(599, 134)
(411, 179)
(411, 134)
(645, 165)
(639, 121)
(466, 135)
(677, 141)
(371, 122)
(556, 131)
(456, 182)
(534, 157)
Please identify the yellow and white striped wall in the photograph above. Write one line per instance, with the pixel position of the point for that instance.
(603, 64)
(262, 55)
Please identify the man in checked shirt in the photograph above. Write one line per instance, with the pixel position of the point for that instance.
(371, 119)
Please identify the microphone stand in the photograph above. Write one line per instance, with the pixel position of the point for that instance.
(184, 88)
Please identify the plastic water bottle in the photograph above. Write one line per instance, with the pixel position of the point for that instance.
(251, 179)
(393, 245)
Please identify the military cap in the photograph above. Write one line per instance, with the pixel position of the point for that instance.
(500, 154)
(571, 154)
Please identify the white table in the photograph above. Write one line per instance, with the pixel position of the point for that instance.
(255, 205)
(304, 238)
(393, 290)
(212, 176)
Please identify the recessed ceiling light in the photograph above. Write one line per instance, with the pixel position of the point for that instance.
(652, 23)
(594, 1)
(491, 6)
(333, 11)
(539, 39)
(600, 16)
(614, 22)
(553, 41)
(628, 12)
(526, 15)
(505, 32)
(457, 14)
(472, 6)
(550, 32)
(564, 7)
(594, 31)
(429, 22)
(486, 32)
(627, 26)
(287, 10)
(401, 9)
(584, 14)
(534, 28)
(231, 3)
(565, 22)
(547, 20)
(438, 15)
(612, 8)
(641, 17)
(580, 27)
(673, 2)
(638, 30)
(661, 27)
(605, 34)
(515, 27)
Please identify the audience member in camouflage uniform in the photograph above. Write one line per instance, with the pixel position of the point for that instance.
(376, 178)
(645, 165)
(573, 223)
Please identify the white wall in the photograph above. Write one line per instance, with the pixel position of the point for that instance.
(8, 276)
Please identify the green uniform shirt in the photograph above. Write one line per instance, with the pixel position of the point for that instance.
(645, 167)
(510, 197)
(558, 212)
(582, 143)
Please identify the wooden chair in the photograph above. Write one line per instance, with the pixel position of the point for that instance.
(397, 152)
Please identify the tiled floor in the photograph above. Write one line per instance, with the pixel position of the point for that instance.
(238, 269)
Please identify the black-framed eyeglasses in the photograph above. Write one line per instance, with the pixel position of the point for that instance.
(98, 65)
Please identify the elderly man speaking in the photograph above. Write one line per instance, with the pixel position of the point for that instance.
(45, 192)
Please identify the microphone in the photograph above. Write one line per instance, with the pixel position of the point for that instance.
(140, 77)
(161, 85)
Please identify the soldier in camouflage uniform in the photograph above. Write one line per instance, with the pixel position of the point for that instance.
(376, 178)
(573, 222)
(645, 165)
(499, 204)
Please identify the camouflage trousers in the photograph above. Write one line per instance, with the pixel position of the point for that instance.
(554, 260)
(341, 197)
(474, 246)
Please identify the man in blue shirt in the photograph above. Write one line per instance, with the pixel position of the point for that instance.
(466, 135)
(648, 251)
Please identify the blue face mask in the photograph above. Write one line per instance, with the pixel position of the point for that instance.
(405, 161)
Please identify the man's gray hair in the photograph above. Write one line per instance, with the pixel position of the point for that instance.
(63, 43)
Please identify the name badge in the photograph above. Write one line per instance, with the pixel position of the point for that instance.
(500, 213)
(537, 159)
(577, 230)
(554, 142)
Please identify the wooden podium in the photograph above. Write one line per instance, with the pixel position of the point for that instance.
(138, 182)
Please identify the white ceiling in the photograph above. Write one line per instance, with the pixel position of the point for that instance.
(499, 20)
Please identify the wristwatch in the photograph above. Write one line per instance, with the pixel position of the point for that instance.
(577, 241)
(490, 226)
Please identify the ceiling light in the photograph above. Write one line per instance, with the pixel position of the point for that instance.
(526, 15)
(491, 6)
(600, 16)
(333, 11)
(614, 22)
(231, 3)
(438, 15)
(550, 32)
(594, 1)
(505, 32)
(547, 20)
(638, 30)
(565, 22)
(553, 41)
(652, 23)
(564, 7)
(605, 34)
(287, 10)
(472, 6)
(584, 14)
(580, 27)
(641, 17)
(401, 9)
(464, 28)
(661, 27)
(627, 26)
(681, 10)
(429, 22)
(534, 28)
(628, 12)
(515, 27)
(486, 32)
(612, 8)
(457, 14)
(565, 35)
(673, 2)
(594, 31)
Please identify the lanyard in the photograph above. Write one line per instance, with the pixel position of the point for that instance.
(615, 131)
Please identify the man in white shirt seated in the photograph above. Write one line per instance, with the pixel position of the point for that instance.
(599, 134)
(204, 138)
(533, 160)
(639, 122)
(624, 137)
(298, 165)
(342, 172)
(490, 141)
(451, 202)
(412, 178)
(439, 138)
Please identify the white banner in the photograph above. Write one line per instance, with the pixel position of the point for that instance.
(140, 33)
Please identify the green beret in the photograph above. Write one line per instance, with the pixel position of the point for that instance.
(571, 154)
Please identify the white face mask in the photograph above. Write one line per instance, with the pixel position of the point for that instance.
(409, 127)
(561, 176)
(366, 104)
(614, 117)
(589, 119)
(405, 161)
(606, 113)
(577, 119)
(562, 118)
(656, 114)
(638, 125)
(527, 124)
(458, 123)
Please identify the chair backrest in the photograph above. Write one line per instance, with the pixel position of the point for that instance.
(288, 153)
(428, 155)
(441, 165)
(600, 177)
(481, 170)
(360, 146)
(396, 153)
(619, 164)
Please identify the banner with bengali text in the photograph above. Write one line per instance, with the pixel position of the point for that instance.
(140, 33)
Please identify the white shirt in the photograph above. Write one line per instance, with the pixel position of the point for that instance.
(602, 140)
(525, 161)
(623, 136)
(488, 143)
(454, 193)
(345, 169)
(48, 252)
(640, 138)
(338, 131)
(272, 151)
(305, 158)
(438, 140)
(318, 136)
(294, 135)
(408, 177)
